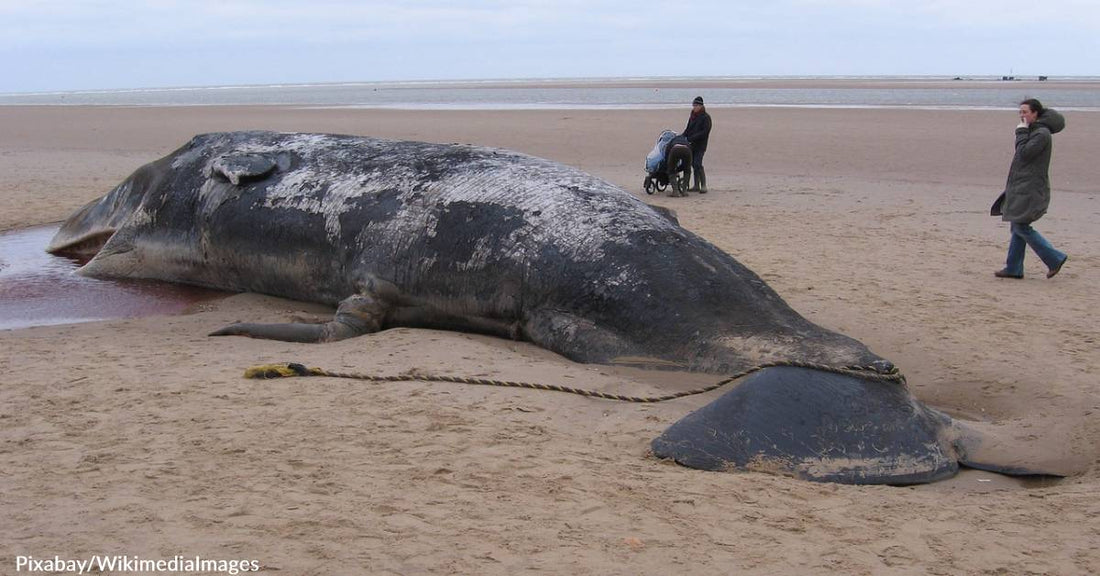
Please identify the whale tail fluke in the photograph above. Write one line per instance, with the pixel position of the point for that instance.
(987, 446)
(831, 427)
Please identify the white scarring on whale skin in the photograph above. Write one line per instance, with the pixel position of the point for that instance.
(509, 179)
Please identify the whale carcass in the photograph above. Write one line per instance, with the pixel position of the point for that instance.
(487, 240)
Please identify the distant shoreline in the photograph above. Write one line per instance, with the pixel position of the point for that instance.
(931, 92)
(930, 81)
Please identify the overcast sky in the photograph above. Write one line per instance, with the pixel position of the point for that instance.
(48, 45)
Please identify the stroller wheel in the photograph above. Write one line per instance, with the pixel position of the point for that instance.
(648, 185)
(661, 186)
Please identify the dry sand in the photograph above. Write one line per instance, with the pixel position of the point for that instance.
(140, 437)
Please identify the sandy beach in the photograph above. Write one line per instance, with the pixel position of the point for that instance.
(140, 437)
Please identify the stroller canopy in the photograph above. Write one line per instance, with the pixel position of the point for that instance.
(654, 158)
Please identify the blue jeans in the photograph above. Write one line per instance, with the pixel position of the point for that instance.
(1023, 235)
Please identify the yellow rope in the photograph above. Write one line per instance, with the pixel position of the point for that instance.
(267, 371)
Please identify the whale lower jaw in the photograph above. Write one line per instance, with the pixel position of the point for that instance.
(82, 246)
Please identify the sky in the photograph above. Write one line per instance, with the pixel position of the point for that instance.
(55, 45)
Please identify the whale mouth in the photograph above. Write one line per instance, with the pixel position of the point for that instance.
(83, 246)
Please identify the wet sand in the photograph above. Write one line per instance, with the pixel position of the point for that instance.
(140, 437)
(40, 289)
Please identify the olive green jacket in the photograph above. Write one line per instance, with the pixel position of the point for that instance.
(1027, 192)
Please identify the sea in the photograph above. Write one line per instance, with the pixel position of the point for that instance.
(1065, 93)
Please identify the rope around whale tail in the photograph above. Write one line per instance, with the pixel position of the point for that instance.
(294, 369)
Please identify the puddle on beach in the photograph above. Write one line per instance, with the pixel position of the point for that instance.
(40, 289)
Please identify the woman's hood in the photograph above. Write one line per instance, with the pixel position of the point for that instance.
(1053, 120)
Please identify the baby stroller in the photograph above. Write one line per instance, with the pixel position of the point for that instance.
(669, 147)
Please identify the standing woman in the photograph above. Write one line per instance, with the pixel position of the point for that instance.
(1027, 193)
(698, 132)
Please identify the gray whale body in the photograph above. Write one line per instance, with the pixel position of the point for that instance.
(477, 239)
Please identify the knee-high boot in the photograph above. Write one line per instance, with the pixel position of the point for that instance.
(701, 180)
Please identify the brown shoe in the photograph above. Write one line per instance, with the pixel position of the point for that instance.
(1005, 274)
(1053, 271)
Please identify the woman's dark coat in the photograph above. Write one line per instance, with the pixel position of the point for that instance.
(698, 132)
(1027, 193)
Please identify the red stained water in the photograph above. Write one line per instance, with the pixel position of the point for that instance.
(40, 289)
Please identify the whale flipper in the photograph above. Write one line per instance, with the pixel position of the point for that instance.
(357, 315)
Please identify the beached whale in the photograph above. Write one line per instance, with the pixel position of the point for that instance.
(487, 240)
